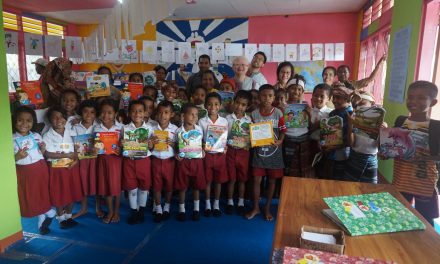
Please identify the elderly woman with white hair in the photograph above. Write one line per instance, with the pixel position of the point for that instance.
(240, 66)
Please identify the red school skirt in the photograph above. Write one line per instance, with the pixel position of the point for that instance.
(33, 188)
(65, 185)
(87, 172)
(109, 175)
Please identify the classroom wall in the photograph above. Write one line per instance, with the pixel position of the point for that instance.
(404, 13)
(10, 225)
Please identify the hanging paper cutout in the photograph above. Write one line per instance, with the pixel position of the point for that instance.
(73, 47)
(233, 49)
(267, 49)
(218, 51)
(329, 51)
(202, 48)
(184, 53)
(339, 51)
(317, 51)
(291, 52)
(304, 52)
(250, 50)
(129, 50)
(11, 42)
(168, 52)
(52, 46)
(149, 52)
(33, 44)
(278, 52)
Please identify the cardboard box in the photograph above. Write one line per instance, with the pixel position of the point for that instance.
(313, 245)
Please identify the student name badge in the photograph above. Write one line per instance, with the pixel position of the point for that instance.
(261, 134)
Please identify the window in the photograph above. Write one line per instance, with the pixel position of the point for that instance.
(54, 29)
(31, 25)
(10, 21)
(32, 74)
(375, 11)
(12, 67)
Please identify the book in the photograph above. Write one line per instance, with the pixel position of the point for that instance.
(402, 143)
(162, 145)
(177, 106)
(261, 134)
(227, 101)
(32, 90)
(216, 137)
(106, 142)
(136, 90)
(120, 79)
(80, 79)
(331, 131)
(85, 146)
(149, 77)
(202, 112)
(98, 85)
(368, 120)
(294, 255)
(239, 136)
(367, 214)
(27, 142)
(190, 144)
(295, 116)
(63, 162)
(135, 143)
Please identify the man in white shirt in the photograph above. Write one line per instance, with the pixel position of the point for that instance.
(254, 72)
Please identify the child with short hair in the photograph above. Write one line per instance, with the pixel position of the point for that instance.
(263, 164)
(237, 157)
(227, 85)
(149, 110)
(198, 98)
(208, 81)
(136, 77)
(163, 162)
(215, 162)
(181, 95)
(255, 101)
(280, 99)
(150, 91)
(32, 170)
(417, 178)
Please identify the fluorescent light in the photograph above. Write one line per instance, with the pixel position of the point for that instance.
(120, 1)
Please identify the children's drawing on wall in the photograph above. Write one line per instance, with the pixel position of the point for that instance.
(11, 42)
(33, 44)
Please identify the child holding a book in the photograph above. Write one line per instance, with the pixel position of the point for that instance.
(70, 100)
(189, 169)
(64, 179)
(32, 170)
(215, 129)
(162, 161)
(267, 160)
(237, 157)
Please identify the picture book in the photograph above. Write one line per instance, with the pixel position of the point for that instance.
(32, 90)
(106, 142)
(80, 79)
(85, 146)
(227, 101)
(216, 137)
(149, 77)
(98, 85)
(295, 116)
(368, 214)
(331, 131)
(294, 255)
(177, 106)
(64, 162)
(403, 143)
(190, 144)
(135, 142)
(261, 134)
(162, 145)
(239, 136)
(27, 142)
(368, 120)
(136, 90)
(120, 79)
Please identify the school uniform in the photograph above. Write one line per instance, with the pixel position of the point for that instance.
(215, 163)
(70, 119)
(163, 163)
(32, 179)
(65, 183)
(316, 116)
(108, 167)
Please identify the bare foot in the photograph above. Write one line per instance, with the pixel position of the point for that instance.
(267, 215)
(115, 218)
(252, 213)
(80, 213)
(107, 219)
(100, 213)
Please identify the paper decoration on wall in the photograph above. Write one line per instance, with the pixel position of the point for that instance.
(202, 48)
(291, 52)
(317, 51)
(91, 48)
(329, 51)
(399, 65)
(53, 46)
(250, 50)
(73, 47)
(33, 44)
(149, 52)
(304, 52)
(112, 55)
(184, 53)
(168, 52)
(129, 50)
(218, 51)
(339, 51)
(267, 49)
(11, 42)
(278, 52)
(233, 49)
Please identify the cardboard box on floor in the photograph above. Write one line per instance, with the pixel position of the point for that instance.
(313, 245)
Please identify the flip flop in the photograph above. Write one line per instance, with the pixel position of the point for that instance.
(106, 219)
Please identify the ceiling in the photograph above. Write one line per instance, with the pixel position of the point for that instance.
(94, 11)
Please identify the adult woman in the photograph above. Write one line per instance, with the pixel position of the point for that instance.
(240, 66)
(161, 74)
(329, 75)
(285, 71)
(56, 78)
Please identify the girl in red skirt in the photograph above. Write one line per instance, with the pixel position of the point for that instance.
(32, 171)
(109, 166)
(82, 134)
(64, 180)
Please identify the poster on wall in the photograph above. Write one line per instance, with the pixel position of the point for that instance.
(168, 52)
(33, 44)
(249, 51)
(218, 51)
(129, 50)
(329, 52)
(149, 51)
(233, 49)
(113, 55)
(201, 49)
(11, 42)
(399, 65)
(267, 49)
(339, 51)
(73, 47)
(291, 52)
(278, 52)
(311, 70)
(53, 46)
(317, 51)
(184, 53)
(304, 52)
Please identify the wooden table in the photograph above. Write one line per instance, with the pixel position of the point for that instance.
(301, 204)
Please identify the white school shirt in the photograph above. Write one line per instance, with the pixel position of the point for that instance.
(34, 153)
(70, 119)
(101, 128)
(53, 139)
(171, 129)
(259, 79)
(152, 122)
(316, 116)
(205, 121)
(182, 129)
(80, 129)
(232, 118)
(132, 127)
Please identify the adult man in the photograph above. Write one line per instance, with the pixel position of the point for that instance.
(196, 80)
(254, 72)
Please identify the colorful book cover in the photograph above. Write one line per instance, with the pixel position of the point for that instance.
(149, 77)
(85, 146)
(402, 143)
(120, 79)
(374, 213)
(64, 162)
(295, 116)
(190, 144)
(216, 137)
(227, 101)
(239, 136)
(368, 120)
(261, 134)
(135, 142)
(136, 90)
(80, 78)
(331, 131)
(162, 145)
(98, 85)
(202, 112)
(106, 142)
(294, 255)
(177, 106)
(32, 90)
(27, 142)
